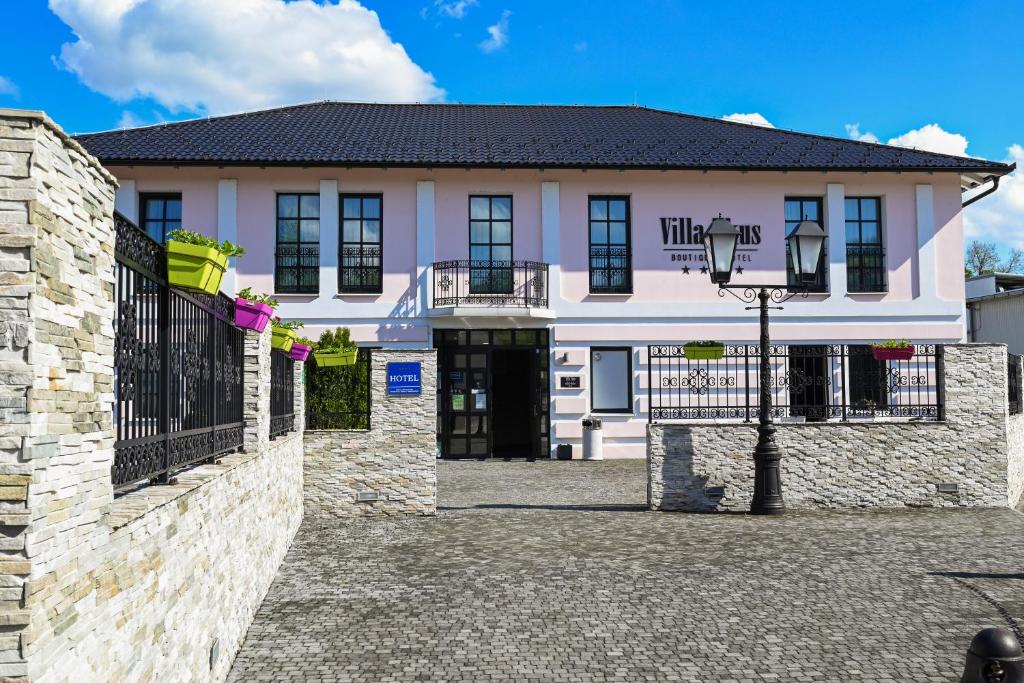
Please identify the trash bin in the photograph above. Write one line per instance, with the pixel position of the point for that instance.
(564, 451)
(593, 441)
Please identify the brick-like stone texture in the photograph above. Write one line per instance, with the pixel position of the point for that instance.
(854, 464)
(392, 465)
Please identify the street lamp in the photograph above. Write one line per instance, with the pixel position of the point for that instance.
(805, 243)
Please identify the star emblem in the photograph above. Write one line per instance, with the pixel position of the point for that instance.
(739, 270)
(686, 270)
(703, 270)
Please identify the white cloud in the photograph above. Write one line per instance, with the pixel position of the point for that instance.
(233, 55)
(932, 138)
(1000, 216)
(853, 130)
(130, 119)
(7, 87)
(498, 34)
(929, 138)
(456, 9)
(753, 119)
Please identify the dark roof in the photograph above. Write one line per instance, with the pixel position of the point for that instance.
(438, 135)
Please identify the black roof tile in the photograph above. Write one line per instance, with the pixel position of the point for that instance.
(437, 135)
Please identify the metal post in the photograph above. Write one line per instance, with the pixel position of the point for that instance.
(767, 481)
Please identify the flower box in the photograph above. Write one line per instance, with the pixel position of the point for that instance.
(283, 339)
(332, 358)
(299, 351)
(893, 352)
(252, 315)
(704, 352)
(193, 267)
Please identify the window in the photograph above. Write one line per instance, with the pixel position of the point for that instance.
(611, 270)
(868, 385)
(160, 214)
(297, 259)
(490, 245)
(865, 257)
(361, 244)
(798, 209)
(611, 379)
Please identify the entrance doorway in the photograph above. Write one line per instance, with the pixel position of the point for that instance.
(493, 393)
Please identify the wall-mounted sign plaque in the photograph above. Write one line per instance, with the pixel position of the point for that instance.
(570, 382)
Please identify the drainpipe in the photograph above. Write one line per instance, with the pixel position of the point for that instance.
(981, 195)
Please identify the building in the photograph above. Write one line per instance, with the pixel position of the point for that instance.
(995, 310)
(541, 249)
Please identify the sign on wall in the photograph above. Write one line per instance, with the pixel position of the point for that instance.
(683, 241)
(570, 382)
(403, 379)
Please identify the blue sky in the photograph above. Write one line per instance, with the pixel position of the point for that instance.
(891, 67)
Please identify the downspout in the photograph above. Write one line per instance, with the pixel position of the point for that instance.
(982, 195)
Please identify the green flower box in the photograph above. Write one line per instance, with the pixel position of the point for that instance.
(196, 268)
(329, 359)
(283, 338)
(704, 352)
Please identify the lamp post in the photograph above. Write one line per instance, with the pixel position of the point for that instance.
(805, 243)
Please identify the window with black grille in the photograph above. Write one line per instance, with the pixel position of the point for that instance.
(800, 209)
(865, 255)
(297, 257)
(611, 267)
(360, 269)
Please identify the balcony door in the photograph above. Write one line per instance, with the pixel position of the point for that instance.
(490, 244)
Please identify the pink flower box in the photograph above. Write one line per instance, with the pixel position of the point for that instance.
(252, 315)
(299, 351)
(889, 353)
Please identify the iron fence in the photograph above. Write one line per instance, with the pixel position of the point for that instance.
(178, 379)
(1013, 377)
(491, 283)
(282, 394)
(339, 397)
(809, 382)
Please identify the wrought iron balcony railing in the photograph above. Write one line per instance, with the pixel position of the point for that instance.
(491, 283)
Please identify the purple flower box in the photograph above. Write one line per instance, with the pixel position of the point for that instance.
(299, 351)
(252, 315)
(893, 353)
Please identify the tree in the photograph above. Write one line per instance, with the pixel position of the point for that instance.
(982, 258)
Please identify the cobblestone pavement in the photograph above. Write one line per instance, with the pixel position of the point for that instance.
(552, 571)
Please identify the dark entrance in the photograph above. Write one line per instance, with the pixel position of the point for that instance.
(493, 393)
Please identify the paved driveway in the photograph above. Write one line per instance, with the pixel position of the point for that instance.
(552, 571)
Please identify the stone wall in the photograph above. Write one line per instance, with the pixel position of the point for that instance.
(389, 469)
(852, 464)
(160, 583)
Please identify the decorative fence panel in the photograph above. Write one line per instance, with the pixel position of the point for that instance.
(282, 394)
(1013, 376)
(178, 357)
(339, 397)
(811, 382)
(491, 283)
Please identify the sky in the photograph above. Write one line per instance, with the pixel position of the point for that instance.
(940, 75)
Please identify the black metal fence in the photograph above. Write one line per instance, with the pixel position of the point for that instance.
(491, 283)
(339, 397)
(282, 394)
(813, 382)
(178, 380)
(1013, 377)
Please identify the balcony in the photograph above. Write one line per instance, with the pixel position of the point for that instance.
(509, 289)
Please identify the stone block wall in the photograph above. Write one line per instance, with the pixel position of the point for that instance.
(160, 583)
(853, 464)
(389, 469)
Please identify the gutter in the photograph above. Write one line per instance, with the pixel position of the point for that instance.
(982, 195)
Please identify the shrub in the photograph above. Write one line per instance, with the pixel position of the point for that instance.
(200, 240)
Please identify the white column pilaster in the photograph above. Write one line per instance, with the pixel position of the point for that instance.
(551, 236)
(424, 244)
(835, 224)
(126, 200)
(926, 271)
(329, 236)
(227, 227)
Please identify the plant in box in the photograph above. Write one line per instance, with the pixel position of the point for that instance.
(335, 348)
(704, 350)
(253, 311)
(284, 334)
(197, 262)
(300, 349)
(893, 349)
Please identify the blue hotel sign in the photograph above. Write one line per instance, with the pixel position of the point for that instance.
(403, 379)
